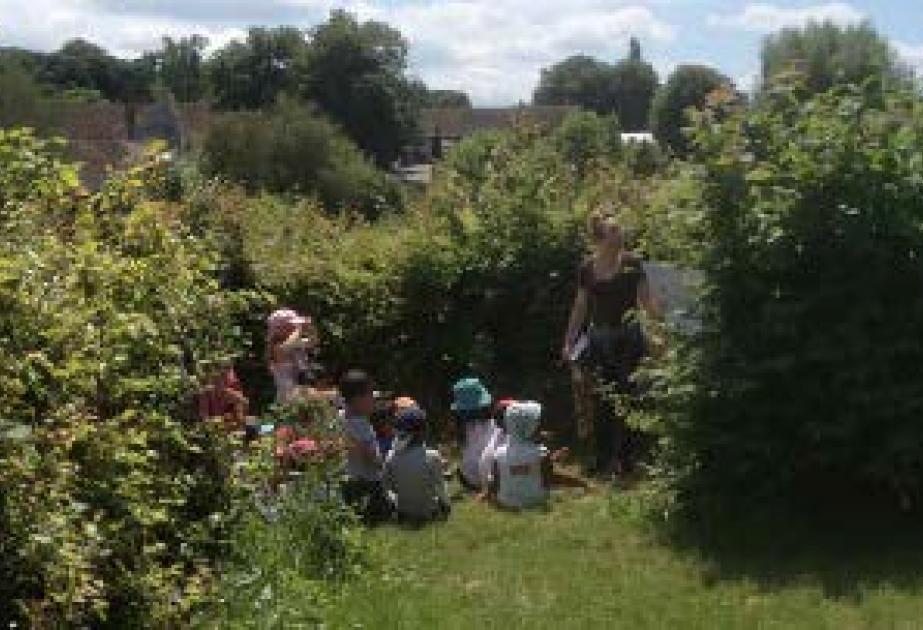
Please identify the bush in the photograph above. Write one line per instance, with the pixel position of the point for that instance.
(584, 137)
(290, 561)
(803, 380)
(292, 149)
(113, 508)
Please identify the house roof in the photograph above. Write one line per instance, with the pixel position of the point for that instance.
(463, 121)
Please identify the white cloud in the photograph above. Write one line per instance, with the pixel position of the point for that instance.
(748, 82)
(765, 18)
(46, 24)
(912, 54)
(495, 49)
(492, 49)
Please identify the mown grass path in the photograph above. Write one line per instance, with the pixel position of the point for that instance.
(585, 565)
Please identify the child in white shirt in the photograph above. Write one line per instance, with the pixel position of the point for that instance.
(497, 439)
(471, 405)
(522, 467)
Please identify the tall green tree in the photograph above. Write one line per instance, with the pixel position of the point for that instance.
(625, 88)
(578, 80)
(441, 98)
(80, 64)
(634, 49)
(356, 73)
(688, 87)
(182, 68)
(828, 54)
(251, 74)
(633, 86)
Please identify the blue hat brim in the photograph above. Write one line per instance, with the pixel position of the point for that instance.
(485, 401)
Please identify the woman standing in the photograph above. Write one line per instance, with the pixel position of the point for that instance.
(604, 340)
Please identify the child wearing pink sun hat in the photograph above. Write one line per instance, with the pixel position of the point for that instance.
(289, 338)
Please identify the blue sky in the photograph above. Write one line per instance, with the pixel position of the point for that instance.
(492, 49)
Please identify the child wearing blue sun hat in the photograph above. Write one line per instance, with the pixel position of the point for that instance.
(471, 404)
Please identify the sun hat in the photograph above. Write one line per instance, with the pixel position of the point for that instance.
(502, 405)
(410, 420)
(286, 317)
(404, 402)
(522, 419)
(469, 394)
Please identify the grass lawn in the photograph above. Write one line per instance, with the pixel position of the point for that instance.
(585, 564)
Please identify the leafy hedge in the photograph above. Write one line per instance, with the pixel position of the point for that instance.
(294, 149)
(113, 507)
(805, 378)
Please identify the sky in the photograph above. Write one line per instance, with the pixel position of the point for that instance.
(491, 49)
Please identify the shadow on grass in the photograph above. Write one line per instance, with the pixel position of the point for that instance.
(845, 548)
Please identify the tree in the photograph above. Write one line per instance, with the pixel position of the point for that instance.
(688, 87)
(80, 64)
(633, 85)
(253, 73)
(578, 80)
(443, 98)
(181, 67)
(625, 89)
(634, 49)
(355, 72)
(827, 55)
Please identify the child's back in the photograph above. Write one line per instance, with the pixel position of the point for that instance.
(521, 464)
(478, 435)
(414, 475)
(471, 405)
(519, 470)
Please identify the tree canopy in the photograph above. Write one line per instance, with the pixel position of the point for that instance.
(442, 98)
(688, 86)
(251, 74)
(827, 54)
(182, 67)
(625, 88)
(356, 73)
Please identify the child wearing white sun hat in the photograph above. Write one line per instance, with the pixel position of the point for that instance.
(522, 466)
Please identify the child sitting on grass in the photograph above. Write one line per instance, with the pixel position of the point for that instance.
(497, 439)
(471, 405)
(362, 489)
(413, 472)
(522, 467)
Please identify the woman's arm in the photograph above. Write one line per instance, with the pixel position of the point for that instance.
(295, 341)
(575, 322)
